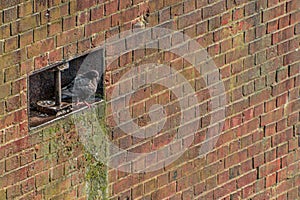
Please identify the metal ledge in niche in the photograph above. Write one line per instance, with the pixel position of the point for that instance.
(55, 92)
(62, 117)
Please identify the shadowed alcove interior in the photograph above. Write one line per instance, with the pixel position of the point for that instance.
(45, 104)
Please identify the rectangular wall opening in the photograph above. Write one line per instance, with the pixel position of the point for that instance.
(44, 105)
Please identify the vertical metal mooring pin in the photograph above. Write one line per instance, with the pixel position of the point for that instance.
(57, 79)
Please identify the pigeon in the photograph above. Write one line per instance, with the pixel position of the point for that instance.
(81, 88)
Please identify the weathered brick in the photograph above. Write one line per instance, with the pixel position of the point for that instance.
(70, 50)
(13, 103)
(10, 14)
(82, 5)
(11, 44)
(12, 163)
(40, 33)
(84, 45)
(40, 47)
(7, 3)
(4, 31)
(282, 35)
(58, 12)
(247, 179)
(25, 8)
(273, 13)
(27, 23)
(26, 38)
(124, 4)
(189, 6)
(256, 53)
(5, 90)
(292, 5)
(13, 191)
(69, 36)
(214, 9)
(97, 12)
(111, 7)
(291, 57)
(165, 191)
(56, 55)
(54, 28)
(40, 61)
(97, 26)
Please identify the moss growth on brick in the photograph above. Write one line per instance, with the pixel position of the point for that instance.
(96, 177)
(83, 131)
(92, 130)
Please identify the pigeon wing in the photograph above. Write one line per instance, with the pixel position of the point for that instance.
(84, 88)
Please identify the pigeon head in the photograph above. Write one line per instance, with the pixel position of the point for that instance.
(93, 74)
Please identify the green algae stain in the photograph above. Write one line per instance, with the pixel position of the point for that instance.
(81, 132)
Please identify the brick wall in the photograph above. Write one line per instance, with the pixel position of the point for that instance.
(255, 47)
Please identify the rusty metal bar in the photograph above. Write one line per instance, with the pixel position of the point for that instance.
(57, 79)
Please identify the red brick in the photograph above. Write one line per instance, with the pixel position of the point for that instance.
(13, 191)
(69, 36)
(97, 26)
(273, 13)
(235, 158)
(6, 3)
(82, 5)
(292, 5)
(57, 172)
(97, 12)
(294, 17)
(84, 45)
(56, 56)
(272, 26)
(291, 57)
(124, 4)
(137, 191)
(27, 185)
(13, 103)
(238, 13)
(129, 15)
(14, 177)
(28, 23)
(41, 61)
(271, 117)
(40, 47)
(42, 179)
(225, 189)
(214, 9)
(12, 163)
(236, 54)
(247, 179)
(111, 7)
(70, 50)
(189, 6)
(58, 12)
(176, 10)
(25, 9)
(164, 192)
(282, 35)
(247, 191)
(69, 22)
(54, 28)
(11, 73)
(10, 14)
(83, 18)
(269, 168)
(4, 31)
(284, 22)
(122, 185)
